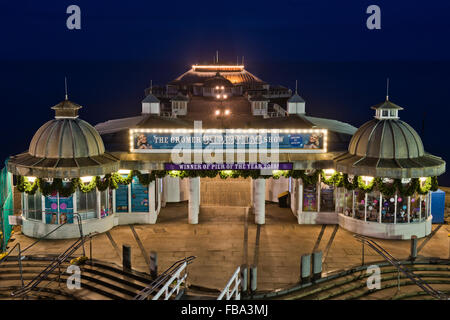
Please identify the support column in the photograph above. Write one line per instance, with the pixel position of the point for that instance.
(300, 200)
(380, 204)
(259, 200)
(194, 200)
(395, 208)
(151, 197)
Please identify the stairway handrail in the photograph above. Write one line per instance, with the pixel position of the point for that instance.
(144, 293)
(412, 276)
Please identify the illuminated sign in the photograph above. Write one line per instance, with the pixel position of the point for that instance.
(283, 141)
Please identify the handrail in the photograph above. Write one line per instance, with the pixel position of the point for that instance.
(55, 262)
(162, 278)
(412, 276)
(4, 258)
(237, 282)
(175, 276)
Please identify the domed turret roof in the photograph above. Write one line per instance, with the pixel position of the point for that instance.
(391, 139)
(388, 147)
(65, 147)
(66, 138)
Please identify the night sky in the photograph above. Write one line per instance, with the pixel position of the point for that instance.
(340, 64)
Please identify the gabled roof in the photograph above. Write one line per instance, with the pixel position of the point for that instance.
(296, 98)
(151, 99)
(386, 105)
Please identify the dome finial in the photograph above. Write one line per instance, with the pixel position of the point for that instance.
(296, 83)
(387, 89)
(65, 86)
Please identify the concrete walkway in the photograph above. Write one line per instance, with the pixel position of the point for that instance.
(223, 240)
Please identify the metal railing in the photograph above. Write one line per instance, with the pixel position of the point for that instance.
(55, 262)
(179, 277)
(226, 292)
(19, 259)
(393, 261)
(164, 280)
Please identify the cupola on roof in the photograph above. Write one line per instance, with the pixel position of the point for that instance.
(65, 147)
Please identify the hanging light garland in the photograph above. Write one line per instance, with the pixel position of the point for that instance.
(337, 179)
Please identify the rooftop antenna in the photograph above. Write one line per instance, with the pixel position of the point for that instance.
(296, 86)
(387, 89)
(151, 86)
(65, 86)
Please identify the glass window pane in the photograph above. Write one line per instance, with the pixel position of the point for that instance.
(388, 209)
(66, 209)
(309, 198)
(103, 204)
(402, 209)
(373, 205)
(415, 208)
(51, 208)
(327, 201)
(359, 204)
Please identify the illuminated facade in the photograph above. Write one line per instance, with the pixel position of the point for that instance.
(219, 119)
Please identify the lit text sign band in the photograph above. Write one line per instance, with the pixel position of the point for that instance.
(229, 166)
(282, 141)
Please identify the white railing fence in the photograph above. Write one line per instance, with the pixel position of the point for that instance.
(179, 277)
(232, 287)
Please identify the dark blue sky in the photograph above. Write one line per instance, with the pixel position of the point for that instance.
(293, 30)
(340, 64)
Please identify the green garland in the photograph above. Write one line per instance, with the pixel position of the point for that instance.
(113, 180)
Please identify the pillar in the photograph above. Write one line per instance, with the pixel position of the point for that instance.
(253, 278)
(152, 196)
(259, 200)
(317, 264)
(305, 268)
(194, 200)
(126, 257)
(413, 255)
(153, 264)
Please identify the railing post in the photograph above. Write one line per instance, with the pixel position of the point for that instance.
(317, 265)
(153, 264)
(244, 279)
(305, 268)
(413, 248)
(126, 257)
(253, 278)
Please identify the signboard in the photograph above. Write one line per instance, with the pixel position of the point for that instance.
(229, 166)
(139, 196)
(122, 198)
(299, 141)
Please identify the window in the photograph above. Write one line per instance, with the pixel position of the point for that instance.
(86, 204)
(393, 113)
(104, 205)
(360, 204)
(327, 202)
(34, 206)
(402, 209)
(310, 198)
(388, 209)
(385, 113)
(373, 206)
